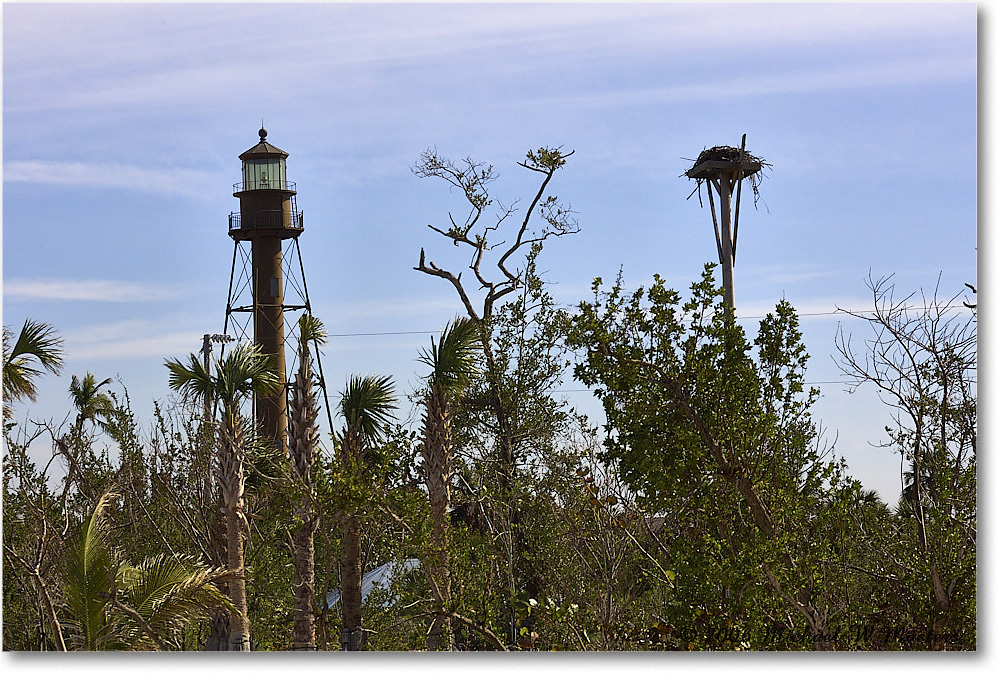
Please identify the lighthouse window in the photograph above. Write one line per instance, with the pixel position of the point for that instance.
(264, 174)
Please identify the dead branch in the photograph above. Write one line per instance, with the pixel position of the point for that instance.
(473, 180)
(34, 572)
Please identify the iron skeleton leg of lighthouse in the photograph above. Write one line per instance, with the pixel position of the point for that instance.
(268, 280)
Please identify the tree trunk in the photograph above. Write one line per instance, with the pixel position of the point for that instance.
(302, 440)
(436, 450)
(50, 612)
(218, 637)
(231, 482)
(218, 627)
(303, 558)
(239, 635)
(350, 586)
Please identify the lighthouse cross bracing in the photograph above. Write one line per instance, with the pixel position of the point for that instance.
(267, 288)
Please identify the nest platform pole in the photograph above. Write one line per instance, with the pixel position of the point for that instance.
(724, 168)
(725, 186)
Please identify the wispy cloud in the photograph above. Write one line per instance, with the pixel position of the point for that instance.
(149, 179)
(93, 290)
(791, 273)
(338, 46)
(133, 338)
(159, 346)
(815, 80)
(428, 308)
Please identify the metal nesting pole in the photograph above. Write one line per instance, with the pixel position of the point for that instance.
(723, 169)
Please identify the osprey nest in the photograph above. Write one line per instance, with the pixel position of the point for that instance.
(725, 159)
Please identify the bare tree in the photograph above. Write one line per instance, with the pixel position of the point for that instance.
(477, 231)
(510, 260)
(921, 358)
(30, 506)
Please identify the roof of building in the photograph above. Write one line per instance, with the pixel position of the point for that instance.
(263, 150)
(380, 577)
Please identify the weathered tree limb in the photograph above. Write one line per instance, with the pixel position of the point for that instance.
(456, 281)
(42, 589)
(476, 627)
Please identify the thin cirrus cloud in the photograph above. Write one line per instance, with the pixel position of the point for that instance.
(134, 339)
(159, 346)
(94, 290)
(73, 70)
(866, 75)
(138, 347)
(156, 180)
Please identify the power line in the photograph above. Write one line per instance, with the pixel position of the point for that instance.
(852, 312)
(846, 312)
(395, 332)
(591, 391)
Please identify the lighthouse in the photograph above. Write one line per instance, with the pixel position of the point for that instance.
(268, 219)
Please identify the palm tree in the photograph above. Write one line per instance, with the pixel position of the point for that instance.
(37, 342)
(242, 373)
(303, 439)
(92, 404)
(366, 406)
(113, 605)
(453, 362)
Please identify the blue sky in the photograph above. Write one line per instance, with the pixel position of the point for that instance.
(122, 125)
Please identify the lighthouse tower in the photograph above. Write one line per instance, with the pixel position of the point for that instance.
(268, 222)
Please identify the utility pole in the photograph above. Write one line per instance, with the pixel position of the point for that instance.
(206, 350)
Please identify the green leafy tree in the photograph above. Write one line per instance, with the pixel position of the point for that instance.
(714, 432)
(498, 405)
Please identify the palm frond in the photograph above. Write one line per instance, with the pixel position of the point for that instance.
(169, 593)
(37, 342)
(243, 371)
(90, 566)
(453, 358)
(367, 404)
(192, 380)
(41, 341)
(312, 330)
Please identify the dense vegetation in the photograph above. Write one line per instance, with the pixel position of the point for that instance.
(709, 513)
